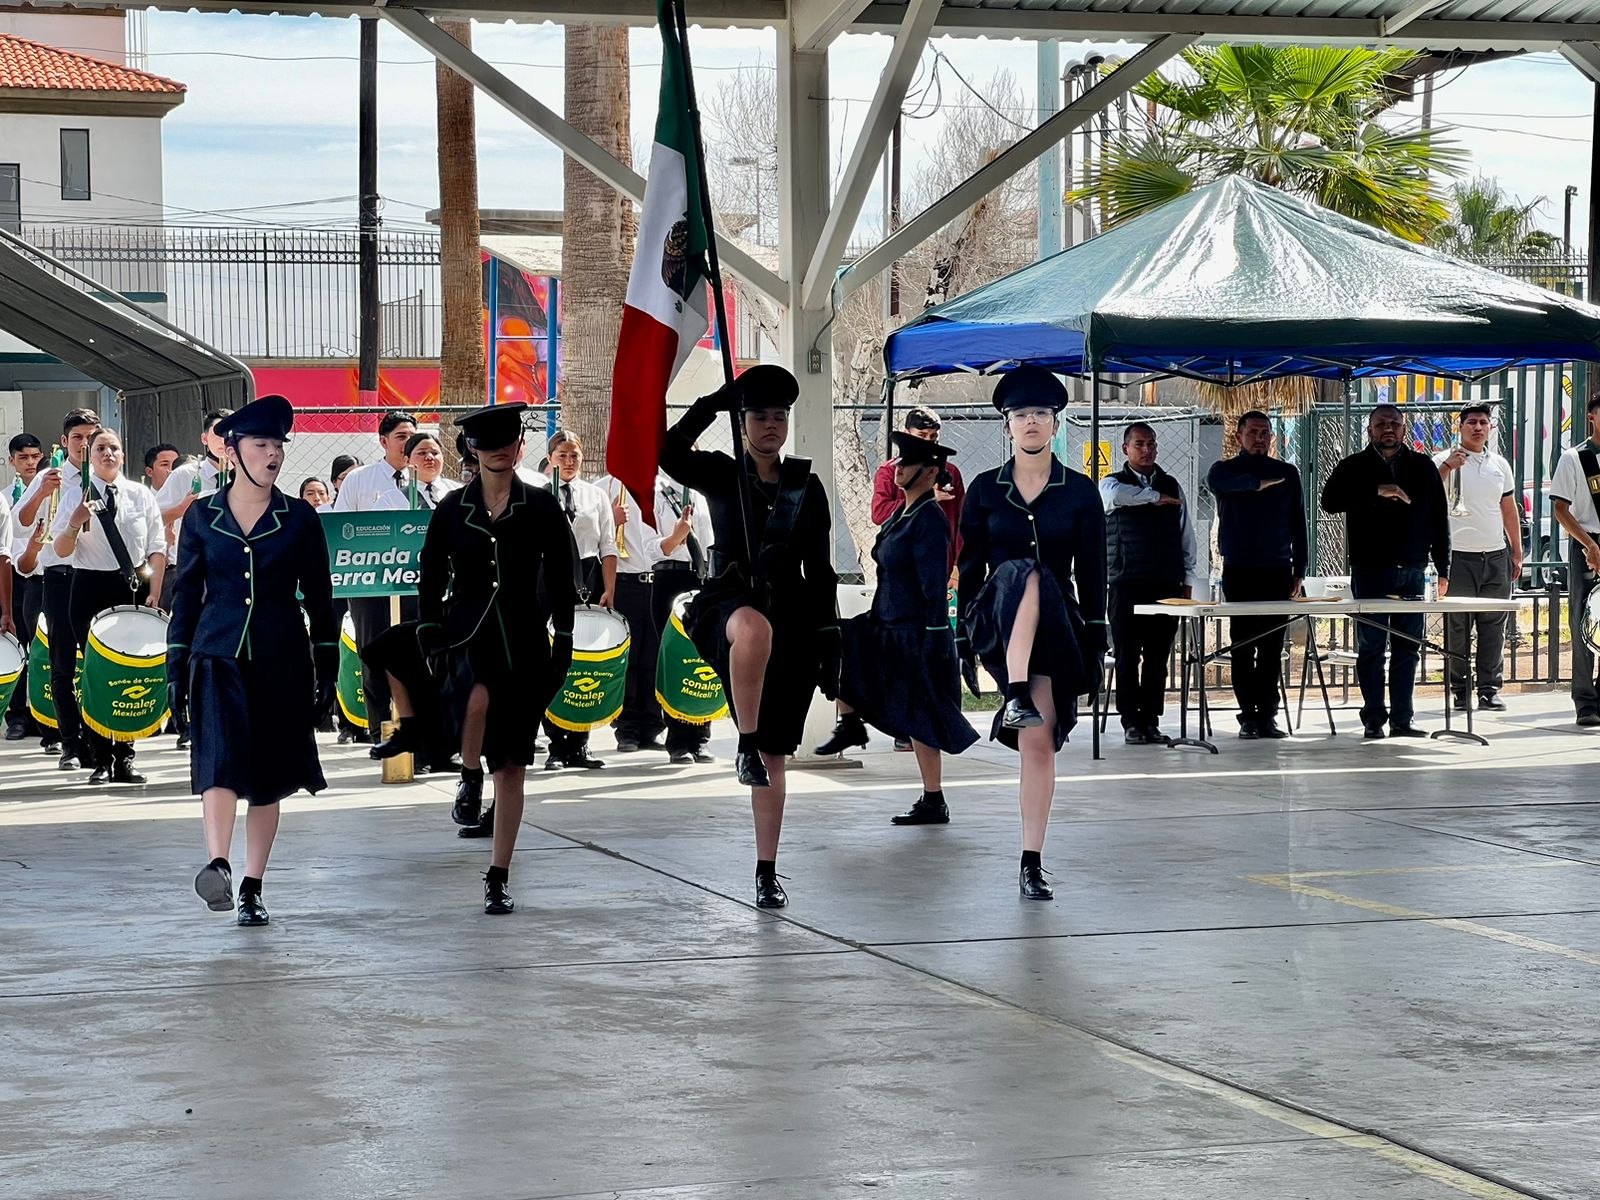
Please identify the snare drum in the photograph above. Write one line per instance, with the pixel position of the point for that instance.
(687, 687)
(352, 690)
(11, 662)
(123, 688)
(592, 694)
(41, 699)
(1590, 622)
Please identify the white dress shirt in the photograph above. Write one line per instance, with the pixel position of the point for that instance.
(373, 488)
(137, 517)
(5, 524)
(17, 535)
(669, 506)
(636, 534)
(1486, 479)
(588, 508)
(179, 485)
(429, 494)
(1572, 485)
(1116, 494)
(534, 479)
(47, 552)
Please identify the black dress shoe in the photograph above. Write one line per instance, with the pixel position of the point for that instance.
(1268, 728)
(214, 885)
(585, 761)
(251, 910)
(497, 901)
(751, 770)
(700, 756)
(101, 774)
(1459, 699)
(1249, 730)
(849, 731)
(1588, 719)
(553, 763)
(122, 772)
(406, 739)
(345, 737)
(483, 829)
(469, 801)
(627, 746)
(1154, 736)
(1031, 882)
(15, 732)
(1407, 731)
(770, 893)
(1021, 714)
(680, 758)
(1372, 732)
(69, 761)
(183, 740)
(1135, 736)
(1491, 701)
(924, 812)
(50, 745)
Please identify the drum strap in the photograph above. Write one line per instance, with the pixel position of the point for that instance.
(792, 476)
(1591, 468)
(108, 522)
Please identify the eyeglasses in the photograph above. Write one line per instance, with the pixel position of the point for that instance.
(1024, 416)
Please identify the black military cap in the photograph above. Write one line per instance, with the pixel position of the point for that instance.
(266, 416)
(1029, 387)
(493, 427)
(767, 385)
(915, 452)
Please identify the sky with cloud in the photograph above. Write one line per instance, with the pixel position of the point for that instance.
(268, 131)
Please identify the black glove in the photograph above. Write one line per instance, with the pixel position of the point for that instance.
(830, 662)
(326, 661)
(560, 664)
(178, 686)
(969, 663)
(725, 399)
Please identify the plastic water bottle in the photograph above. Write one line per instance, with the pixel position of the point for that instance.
(1430, 584)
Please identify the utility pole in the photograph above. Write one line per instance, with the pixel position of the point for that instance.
(891, 221)
(1050, 183)
(1566, 219)
(367, 186)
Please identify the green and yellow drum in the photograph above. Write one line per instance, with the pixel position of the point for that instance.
(352, 690)
(11, 663)
(122, 691)
(592, 693)
(41, 699)
(687, 688)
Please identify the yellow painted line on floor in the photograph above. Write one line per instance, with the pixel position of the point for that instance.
(1475, 928)
(1450, 869)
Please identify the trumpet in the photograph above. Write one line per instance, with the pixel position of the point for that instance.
(42, 537)
(622, 545)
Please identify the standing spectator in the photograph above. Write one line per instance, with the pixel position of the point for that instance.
(1261, 515)
(1576, 492)
(887, 499)
(1485, 553)
(1150, 556)
(1395, 519)
(159, 463)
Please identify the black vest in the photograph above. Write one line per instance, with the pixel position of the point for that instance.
(1145, 541)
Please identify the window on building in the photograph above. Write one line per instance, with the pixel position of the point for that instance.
(75, 164)
(11, 197)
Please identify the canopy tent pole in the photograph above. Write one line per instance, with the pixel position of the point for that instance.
(1092, 458)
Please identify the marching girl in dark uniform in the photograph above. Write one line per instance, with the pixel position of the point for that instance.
(238, 655)
(900, 667)
(483, 623)
(771, 632)
(1031, 596)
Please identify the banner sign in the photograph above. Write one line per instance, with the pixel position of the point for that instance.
(375, 553)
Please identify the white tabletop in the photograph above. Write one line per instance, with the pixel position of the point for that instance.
(1341, 607)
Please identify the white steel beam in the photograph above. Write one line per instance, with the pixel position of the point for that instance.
(1021, 155)
(1585, 56)
(584, 149)
(813, 24)
(858, 176)
(1389, 26)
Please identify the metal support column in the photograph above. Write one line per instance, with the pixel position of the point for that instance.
(367, 186)
(1050, 187)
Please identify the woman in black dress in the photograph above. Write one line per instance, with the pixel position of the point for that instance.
(1031, 596)
(899, 664)
(239, 659)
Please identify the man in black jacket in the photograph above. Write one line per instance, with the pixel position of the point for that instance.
(1395, 519)
(1262, 538)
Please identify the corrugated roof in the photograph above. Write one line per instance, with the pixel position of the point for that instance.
(28, 65)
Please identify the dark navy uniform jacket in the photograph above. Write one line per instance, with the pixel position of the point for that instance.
(1064, 529)
(913, 557)
(235, 595)
(492, 572)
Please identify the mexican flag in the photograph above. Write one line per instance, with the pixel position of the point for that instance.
(668, 298)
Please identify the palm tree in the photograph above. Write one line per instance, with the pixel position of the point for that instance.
(1299, 118)
(462, 379)
(1486, 222)
(597, 232)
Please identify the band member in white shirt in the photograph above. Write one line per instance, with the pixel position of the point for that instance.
(27, 586)
(681, 554)
(425, 457)
(382, 486)
(112, 531)
(594, 530)
(639, 726)
(42, 502)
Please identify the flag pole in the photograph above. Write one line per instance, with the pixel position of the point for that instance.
(703, 185)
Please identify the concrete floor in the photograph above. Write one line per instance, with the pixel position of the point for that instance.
(1318, 969)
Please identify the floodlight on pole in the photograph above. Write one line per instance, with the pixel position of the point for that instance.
(753, 161)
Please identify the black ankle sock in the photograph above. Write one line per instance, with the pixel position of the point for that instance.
(933, 797)
(474, 774)
(250, 885)
(222, 863)
(1030, 858)
(766, 866)
(497, 875)
(747, 743)
(1017, 691)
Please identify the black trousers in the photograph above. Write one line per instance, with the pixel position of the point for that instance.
(57, 609)
(641, 718)
(1257, 641)
(670, 583)
(1143, 645)
(92, 593)
(370, 616)
(27, 595)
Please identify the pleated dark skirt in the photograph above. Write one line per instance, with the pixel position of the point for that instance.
(905, 681)
(791, 677)
(250, 727)
(1057, 651)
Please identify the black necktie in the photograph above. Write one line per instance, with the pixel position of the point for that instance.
(427, 490)
(111, 499)
(566, 500)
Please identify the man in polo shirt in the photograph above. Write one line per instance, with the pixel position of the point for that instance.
(1575, 490)
(1485, 553)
